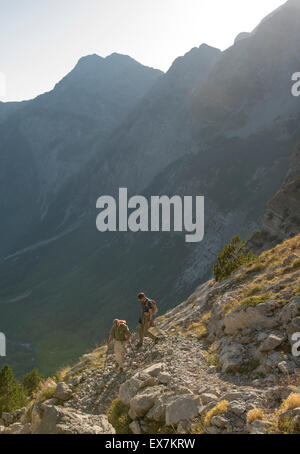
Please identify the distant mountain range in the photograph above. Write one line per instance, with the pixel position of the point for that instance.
(46, 141)
(219, 124)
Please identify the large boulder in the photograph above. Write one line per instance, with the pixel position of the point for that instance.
(290, 311)
(154, 369)
(231, 357)
(131, 387)
(63, 392)
(271, 342)
(158, 411)
(135, 428)
(60, 420)
(253, 317)
(143, 401)
(128, 390)
(18, 429)
(184, 407)
(206, 398)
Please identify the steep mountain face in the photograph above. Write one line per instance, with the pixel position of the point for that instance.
(225, 363)
(6, 108)
(75, 280)
(251, 84)
(282, 218)
(161, 129)
(49, 139)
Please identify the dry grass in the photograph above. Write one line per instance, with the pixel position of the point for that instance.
(45, 390)
(294, 266)
(268, 270)
(61, 374)
(296, 290)
(293, 401)
(254, 415)
(283, 423)
(219, 409)
(199, 329)
(254, 289)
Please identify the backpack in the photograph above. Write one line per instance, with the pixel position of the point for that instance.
(123, 324)
(154, 307)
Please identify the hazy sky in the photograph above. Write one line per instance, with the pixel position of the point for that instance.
(41, 40)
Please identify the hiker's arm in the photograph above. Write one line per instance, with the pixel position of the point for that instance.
(150, 317)
(111, 335)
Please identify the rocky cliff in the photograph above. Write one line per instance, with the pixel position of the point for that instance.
(224, 365)
(282, 219)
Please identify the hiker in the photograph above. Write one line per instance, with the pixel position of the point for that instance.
(120, 334)
(148, 309)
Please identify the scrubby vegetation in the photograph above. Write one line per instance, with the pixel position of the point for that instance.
(12, 394)
(231, 258)
(118, 417)
(199, 329)
(45, 390)
(31, 381)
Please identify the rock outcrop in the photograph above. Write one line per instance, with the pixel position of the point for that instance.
(282, 219)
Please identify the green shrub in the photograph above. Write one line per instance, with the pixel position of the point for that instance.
(231, 258)
(12, 395)
(118, 417)
(253, 301)
(31, 381)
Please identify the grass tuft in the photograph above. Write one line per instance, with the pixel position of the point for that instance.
(45, 390)
(254, 415)
(219, 409)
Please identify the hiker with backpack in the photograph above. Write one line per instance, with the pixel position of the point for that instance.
(120, 333)
(148, 310)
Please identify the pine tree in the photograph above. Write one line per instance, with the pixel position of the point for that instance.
(12, 395)
(231, 258)
(31, 381)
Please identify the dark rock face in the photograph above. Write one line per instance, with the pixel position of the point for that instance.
(282, 219)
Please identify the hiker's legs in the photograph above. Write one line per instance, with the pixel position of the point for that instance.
(119, 352)
(146, 332)
(141, 333)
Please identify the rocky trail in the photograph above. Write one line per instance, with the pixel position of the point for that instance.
(224, 364)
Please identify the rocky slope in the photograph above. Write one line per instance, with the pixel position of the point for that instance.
(224, 365)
